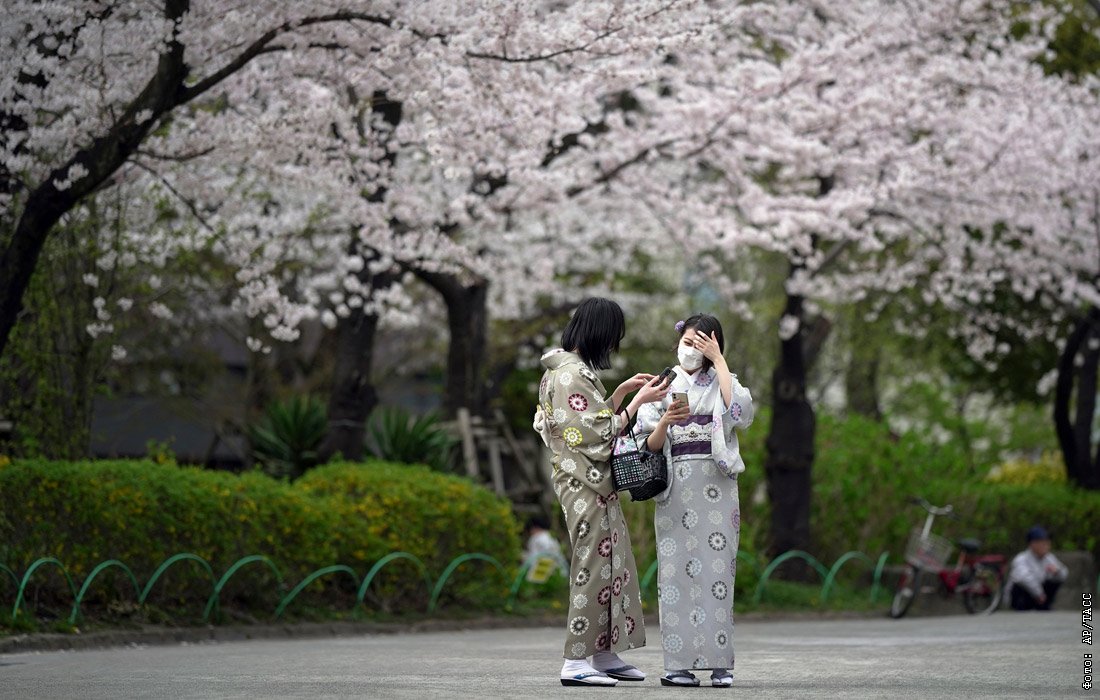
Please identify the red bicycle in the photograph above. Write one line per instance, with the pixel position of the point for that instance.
(978, 578)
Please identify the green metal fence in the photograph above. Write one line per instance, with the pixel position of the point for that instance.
(434, 587)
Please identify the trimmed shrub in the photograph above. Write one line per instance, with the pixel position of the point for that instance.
(433, 516)
(140, 513)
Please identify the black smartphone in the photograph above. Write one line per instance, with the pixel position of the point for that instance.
(665, 374)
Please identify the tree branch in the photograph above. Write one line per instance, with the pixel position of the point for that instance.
(260, 45)
(611, 174)
(175, 158)
(187, 202)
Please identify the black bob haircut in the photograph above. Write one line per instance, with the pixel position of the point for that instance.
(705, 324)
(595, 331)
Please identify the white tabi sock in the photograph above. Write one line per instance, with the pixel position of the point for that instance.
(572, 667)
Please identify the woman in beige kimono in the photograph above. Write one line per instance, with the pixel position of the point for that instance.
(579, 422)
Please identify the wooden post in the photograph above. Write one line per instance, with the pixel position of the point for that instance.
(495, 468)
(469, 449)
(524, 460)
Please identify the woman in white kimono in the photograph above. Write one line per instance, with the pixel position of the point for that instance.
(698, 518)
(578, 421)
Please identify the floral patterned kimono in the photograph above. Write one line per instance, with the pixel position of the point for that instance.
(698, 521)
(576, 421)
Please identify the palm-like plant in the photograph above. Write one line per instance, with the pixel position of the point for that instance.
(398, 436)
(286, 441)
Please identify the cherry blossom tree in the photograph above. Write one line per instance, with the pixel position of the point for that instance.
(353, 141)
(93, 84)
(868, 147)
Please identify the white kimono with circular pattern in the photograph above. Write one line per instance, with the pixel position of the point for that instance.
(698, 521)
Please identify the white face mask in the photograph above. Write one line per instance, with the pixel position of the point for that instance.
(690, 358)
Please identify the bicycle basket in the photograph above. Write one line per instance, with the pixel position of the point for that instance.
(928, 551)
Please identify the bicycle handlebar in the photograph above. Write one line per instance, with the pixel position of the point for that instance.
(934, 510)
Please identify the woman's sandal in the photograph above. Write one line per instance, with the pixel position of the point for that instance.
(590, 678)
(625, 673)
(721, 679)
(680, 678)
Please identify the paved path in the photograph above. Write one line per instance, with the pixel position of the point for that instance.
(1024, 655)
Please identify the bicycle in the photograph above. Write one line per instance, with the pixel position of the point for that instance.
(979, 578)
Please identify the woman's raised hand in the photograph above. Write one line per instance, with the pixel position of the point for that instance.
(634, 383)
(708, 345)
(652, 390)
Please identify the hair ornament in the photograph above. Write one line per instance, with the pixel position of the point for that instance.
(679, 326)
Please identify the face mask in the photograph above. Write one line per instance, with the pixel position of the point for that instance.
(690, 358)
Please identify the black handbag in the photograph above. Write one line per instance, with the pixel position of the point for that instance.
(641, 472)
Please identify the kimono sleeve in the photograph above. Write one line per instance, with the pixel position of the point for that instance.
(588, 426)
(648, 417)
(740, 412)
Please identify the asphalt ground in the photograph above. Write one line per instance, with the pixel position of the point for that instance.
(1005, 655)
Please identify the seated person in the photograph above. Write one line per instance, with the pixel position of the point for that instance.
(1036, 574)
(541, 543)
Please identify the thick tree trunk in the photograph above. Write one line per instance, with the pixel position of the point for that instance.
(467, 301)
(790, 442)
(1075, 433)
(353, 396)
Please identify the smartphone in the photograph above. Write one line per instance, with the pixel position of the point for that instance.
(666, 373)
(680, 396)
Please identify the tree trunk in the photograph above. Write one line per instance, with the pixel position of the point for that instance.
(353, 396)
(790, 442)
(467, 301)
(1075, 433)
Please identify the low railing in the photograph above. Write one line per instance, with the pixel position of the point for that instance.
(434, 587)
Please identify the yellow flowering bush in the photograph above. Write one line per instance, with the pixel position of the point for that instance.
(1050, 468)
(387, 507)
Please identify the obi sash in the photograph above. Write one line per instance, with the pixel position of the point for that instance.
(691, 437)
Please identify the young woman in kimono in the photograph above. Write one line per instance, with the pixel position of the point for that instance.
(579, 422)
(698, 519)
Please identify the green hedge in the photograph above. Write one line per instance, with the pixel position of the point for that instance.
(1000, 514)
(864, 477)
(141, 512)
(414, 509)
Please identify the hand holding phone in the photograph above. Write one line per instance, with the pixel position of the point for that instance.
(678, 410)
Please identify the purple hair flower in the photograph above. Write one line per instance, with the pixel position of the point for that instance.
(679, 326)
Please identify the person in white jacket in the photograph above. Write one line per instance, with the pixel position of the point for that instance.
(1036, 574)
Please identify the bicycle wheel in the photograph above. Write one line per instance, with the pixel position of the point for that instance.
(908, 586)
(982, 594)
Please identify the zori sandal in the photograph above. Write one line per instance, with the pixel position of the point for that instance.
(590, 678)
(679, 678)
(721, 679)
(626, 673)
